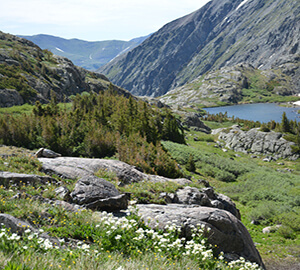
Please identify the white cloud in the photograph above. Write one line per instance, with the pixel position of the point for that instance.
(92, 19)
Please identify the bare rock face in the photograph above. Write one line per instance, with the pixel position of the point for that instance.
(10, 97)
(226, 231)
(220, 34)
(70, 167)
(258, 142)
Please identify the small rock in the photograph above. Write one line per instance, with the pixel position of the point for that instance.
(47, 153)
(271, 229)
(63, 193)
(255, 222)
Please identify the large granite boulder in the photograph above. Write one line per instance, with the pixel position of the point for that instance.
(257, 142)
(226, 231)
(98, 194)
(73, 168)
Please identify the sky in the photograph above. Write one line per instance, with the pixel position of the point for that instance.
(92, 20)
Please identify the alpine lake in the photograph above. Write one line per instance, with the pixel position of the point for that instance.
(262, 112)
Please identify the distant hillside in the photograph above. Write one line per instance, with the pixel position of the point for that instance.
(241, 83)
(86, 54)
(263, 33)
(28, 73)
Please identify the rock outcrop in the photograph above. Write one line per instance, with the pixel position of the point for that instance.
(73, 168)
(188, 206)
(36, 73)
(226, 231)
(192, 120)
(10, 97)
(204, 197)
(9, 178)
(257, 142)
(228, 85)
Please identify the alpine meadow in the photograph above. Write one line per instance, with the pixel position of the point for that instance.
(123, 168)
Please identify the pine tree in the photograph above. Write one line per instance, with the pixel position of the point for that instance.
(285, 125)
(190, 165)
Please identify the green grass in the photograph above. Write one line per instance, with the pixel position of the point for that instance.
(92, 240)
(26, 108)
(264, 192)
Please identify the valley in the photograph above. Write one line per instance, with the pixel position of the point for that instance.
(112, 161)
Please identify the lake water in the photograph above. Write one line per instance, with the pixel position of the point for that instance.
(263, 112)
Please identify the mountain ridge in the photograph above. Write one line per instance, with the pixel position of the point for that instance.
(262, 33)
(87, 54)
(29, 74)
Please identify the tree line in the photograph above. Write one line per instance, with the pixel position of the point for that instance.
(99, 125)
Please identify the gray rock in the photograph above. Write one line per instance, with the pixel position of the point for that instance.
(204, 197)
(47, 153)
(169, 197)
(9, 178)
(191, 195)
(19, 226)
(258, 142)
(73, 168)
(271, 229)
(226, 231)
(91, 188)
(192, 120)
(119, 202)
(10, 97)
(63, 193)
(14, 224)
(98, 194)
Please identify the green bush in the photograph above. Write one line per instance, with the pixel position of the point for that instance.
(287, 232)
(225, 176)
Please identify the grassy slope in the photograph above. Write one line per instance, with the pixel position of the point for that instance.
(265, 191)
(253, 180)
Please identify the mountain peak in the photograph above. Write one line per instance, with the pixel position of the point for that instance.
(263, 33)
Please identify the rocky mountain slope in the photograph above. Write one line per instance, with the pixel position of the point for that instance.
(263, 33)
(28, 73)
(86, 54)
(230, 85)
